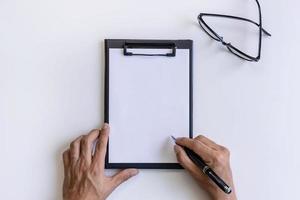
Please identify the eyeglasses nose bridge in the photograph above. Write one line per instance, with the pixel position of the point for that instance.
(223, 42)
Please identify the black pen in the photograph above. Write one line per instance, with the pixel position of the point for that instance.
(206, 169)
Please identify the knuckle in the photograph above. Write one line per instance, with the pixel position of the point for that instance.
(73, 154)
(200, 137)
(102, 140)
(73, 144)
(195, 145)
(220, 158)
(225, 150)
(104, 134)
(85, 140)
(126, 176)
(65, 153)
(100, 146)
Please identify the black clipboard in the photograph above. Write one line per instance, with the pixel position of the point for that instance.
(127, 46)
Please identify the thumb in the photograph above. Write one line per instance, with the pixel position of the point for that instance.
(123, 176)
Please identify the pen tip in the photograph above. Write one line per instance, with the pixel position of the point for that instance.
(173, 137)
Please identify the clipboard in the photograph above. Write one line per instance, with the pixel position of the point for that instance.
(148, 98)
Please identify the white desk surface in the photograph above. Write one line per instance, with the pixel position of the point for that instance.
(51, 91)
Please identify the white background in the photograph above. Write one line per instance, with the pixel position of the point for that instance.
(51, 91)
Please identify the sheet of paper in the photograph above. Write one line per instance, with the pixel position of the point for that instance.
(148, 102)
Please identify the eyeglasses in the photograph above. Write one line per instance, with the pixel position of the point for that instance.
(229, 46)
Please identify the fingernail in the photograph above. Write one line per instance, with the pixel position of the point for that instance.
(105, 126)
(134, 172)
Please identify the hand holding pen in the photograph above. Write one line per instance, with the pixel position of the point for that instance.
(215, 156)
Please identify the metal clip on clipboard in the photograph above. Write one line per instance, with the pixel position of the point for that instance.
(128, 46)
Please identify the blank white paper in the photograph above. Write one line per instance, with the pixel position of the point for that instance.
(148, 102)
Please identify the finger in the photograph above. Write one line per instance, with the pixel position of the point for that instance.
(99, 158)
(197, 146)
(75, 150)
(123, 176)
(208, 142)
(66, 160)
(86, 145)
(187, 164)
